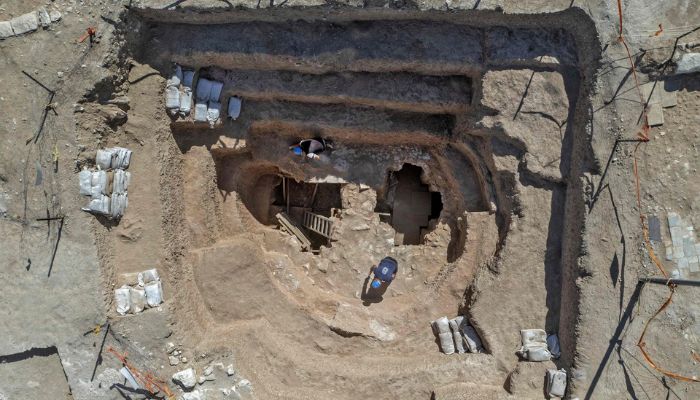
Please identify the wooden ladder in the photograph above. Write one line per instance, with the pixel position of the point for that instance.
(319, 224)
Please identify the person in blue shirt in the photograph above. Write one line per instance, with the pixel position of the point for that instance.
(377, 281)
(384, 272)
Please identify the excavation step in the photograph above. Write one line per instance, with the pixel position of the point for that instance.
(401, 91)
(320, 46)
(355, 124)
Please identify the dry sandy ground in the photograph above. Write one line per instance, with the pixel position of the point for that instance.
(539, 227)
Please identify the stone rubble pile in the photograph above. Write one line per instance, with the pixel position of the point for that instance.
(188, 379)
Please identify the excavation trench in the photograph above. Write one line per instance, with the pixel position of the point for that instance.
(412, 173)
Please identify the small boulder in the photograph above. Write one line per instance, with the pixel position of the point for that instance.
(6, 30)
(28, 22)
(688, 63)
(185, 378)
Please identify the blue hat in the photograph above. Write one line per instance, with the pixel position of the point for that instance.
(376, 284)
(297, 150)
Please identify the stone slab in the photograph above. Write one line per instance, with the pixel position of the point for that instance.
(28, 22)
(673, 220)
(694, 265)
(6, 30)
(669, 99)
(652, 92)
(655, 114)
(654, 228)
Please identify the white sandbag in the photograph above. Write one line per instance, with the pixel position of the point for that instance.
(203, 90)
(99, 182)
(154, 293)
(213, 112)
(148, 276)
(137, 297)
(104, 158)
(187, 78)
(533, 336)
(185, 102)
(176, 77)
(472, 339)
(122, 298)
(234, 107)
(98, 205)
(455, 325)
(537, 353)
(200, 112)
(556, 383)
(442, 325)
(215, 92)
(121, 181)
(447, 343)
(553, 345)
(122, 158)
(85, 178)
(172, 97)
(119, 204)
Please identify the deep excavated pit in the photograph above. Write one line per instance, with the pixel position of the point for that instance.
(402, 95)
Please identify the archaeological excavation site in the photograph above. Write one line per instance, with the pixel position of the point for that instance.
(341, 200)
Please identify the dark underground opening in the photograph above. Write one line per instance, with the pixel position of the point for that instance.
(408, 205)
(297, 197)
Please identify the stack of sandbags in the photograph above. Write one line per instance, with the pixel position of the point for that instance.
(207, 106)
(456, 335)
(107, 186)
(178, 92)
(534, 345)
(441, 327)
(135, 298)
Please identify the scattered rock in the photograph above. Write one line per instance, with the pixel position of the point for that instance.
(173, 360)
(28, 22)
(44, 17)
(208, 370)
(6, 29)
(185, 378)
(244, 386)
(195, 395)
(688, 63)
(361, 227)
(54, 15)
(113, 114)
(183, 359)
(170, 347)
(229, 370)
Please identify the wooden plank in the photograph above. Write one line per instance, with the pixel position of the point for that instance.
(292, 228)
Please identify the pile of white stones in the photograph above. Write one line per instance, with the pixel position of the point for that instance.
(28, 22)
